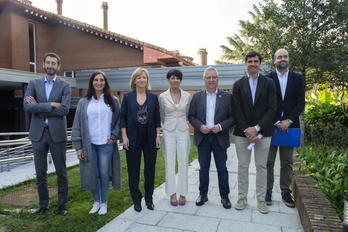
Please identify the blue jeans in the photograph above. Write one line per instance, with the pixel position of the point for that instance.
(102, 156)
(208, 145)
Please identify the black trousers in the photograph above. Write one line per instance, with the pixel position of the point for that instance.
(134, 163)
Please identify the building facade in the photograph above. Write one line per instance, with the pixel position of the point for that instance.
(27, 33)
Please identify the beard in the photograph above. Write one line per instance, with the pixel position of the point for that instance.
(282, 66)
(51, 71)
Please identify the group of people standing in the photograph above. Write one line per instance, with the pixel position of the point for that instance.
(256, 106)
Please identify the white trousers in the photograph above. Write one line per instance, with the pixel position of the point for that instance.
(260, 156)
(176, 144)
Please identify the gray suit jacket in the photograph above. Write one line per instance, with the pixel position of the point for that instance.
(223, 116)
(42, 109)
(261, 112)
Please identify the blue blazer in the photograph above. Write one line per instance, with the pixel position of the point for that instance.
(294, 99)
(129, 120)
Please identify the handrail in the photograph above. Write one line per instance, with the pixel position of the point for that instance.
(13, 151)
(13, 133)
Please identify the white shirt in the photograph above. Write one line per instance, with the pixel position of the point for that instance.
(211, 102)
(99, 120)
(253, 86)
(283, 81)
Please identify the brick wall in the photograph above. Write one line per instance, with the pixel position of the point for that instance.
(316, 212)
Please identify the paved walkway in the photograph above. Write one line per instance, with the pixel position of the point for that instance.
(211, 217)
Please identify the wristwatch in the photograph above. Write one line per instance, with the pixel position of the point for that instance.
(257, 128)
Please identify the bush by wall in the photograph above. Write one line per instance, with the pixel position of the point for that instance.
(329, 168)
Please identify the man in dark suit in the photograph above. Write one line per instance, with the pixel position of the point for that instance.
(211, 116)
(254, 105)
(48, 100)
(290, 104)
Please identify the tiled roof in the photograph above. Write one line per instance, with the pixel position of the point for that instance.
(106, 34)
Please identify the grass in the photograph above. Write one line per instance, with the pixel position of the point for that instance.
(80, 202)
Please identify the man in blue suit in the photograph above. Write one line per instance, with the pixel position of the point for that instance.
(211, 116)
(290, 104)
(48, 100)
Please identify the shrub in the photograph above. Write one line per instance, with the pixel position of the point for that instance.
(329, 167)
(326, 125)
(322, 114)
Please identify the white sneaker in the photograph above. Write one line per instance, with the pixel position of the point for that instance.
(103, 209)
(95, 208)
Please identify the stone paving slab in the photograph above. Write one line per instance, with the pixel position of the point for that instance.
(211, 217)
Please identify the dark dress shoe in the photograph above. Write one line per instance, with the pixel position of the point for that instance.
(137, 208)
(62, 210)
(41, 211)
(201, 200)
(150, 206)
(226, 203)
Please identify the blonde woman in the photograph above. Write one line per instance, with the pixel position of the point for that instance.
(140, 125)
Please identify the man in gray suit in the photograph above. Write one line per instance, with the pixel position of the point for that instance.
(211, 116)
(254, 102)
(48, 100)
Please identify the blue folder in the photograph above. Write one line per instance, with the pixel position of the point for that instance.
(289, 138)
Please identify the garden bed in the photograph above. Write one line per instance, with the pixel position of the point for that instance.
(315, 210)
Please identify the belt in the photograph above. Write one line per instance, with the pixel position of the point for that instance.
(46, 127)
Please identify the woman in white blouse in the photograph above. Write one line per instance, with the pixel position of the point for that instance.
(174, 107)
(95, 131)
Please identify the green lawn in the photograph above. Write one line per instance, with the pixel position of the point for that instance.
(80, 202)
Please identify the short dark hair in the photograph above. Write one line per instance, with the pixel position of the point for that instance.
(52, 54)
(253, 54)
(174, 72)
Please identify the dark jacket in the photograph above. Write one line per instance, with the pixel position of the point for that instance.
(223, 116)
(261, 112)
(294, 99)
(128, 120)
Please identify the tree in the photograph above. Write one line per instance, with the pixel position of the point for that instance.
(262, 34)
(313, 31)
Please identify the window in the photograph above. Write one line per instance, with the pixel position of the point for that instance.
(32, 47)
(69, 74)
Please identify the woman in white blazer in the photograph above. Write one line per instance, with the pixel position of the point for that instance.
(174, 106)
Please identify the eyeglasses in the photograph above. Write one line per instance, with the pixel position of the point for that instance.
(211, 78)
